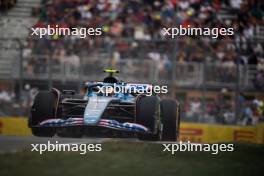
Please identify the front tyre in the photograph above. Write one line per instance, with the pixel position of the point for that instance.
(43, 108)
(43, 132)
(147, 114)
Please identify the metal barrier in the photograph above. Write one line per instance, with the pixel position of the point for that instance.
(144, 61)
(259, 32)
(5, 69)
(189, 74)
(45, 67)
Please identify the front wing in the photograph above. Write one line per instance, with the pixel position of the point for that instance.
(106, 123)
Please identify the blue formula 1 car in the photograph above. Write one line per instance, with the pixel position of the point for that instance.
(102, 111)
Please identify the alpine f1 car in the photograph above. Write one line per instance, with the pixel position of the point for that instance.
(68, 114)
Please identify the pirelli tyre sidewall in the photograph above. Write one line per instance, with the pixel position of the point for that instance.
(43, 108)
(170, 117)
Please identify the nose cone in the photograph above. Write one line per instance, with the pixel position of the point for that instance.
(95, 109)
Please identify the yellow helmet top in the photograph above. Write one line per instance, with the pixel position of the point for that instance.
(111, 71)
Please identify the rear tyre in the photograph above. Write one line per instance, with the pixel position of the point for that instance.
(147, 112)
(42, 109)
(170, 117)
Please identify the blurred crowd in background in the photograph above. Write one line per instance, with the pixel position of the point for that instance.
(131, 31)
(10, 106)
(221, 110)
(6, 4)
(143, 20)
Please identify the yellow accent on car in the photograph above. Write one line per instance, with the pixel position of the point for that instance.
(111, 71)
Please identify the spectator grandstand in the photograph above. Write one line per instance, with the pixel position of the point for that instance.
(132, 42)
(131, 26)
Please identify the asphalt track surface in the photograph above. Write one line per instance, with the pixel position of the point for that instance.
(20, 143)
